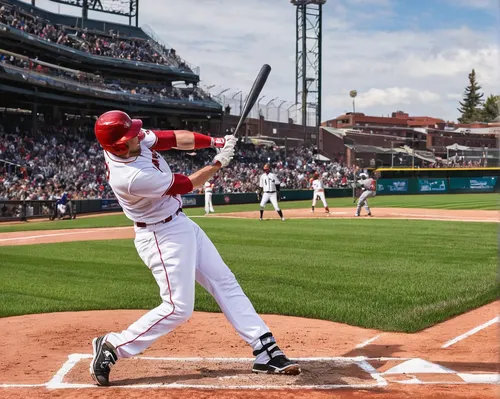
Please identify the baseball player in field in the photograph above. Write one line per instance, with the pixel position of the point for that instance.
(369, 187)
(269, 191)
(172, 246)
(208, 188)
(319, 191)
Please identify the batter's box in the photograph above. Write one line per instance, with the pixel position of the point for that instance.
(220, 373)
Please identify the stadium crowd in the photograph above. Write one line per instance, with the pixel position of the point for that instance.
(95, 81)
(69, 159)
(96, 43)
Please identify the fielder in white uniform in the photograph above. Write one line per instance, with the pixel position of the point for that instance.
(208, 188)
(369, 187)
(172, 246)
(319, 191)
(269, 190)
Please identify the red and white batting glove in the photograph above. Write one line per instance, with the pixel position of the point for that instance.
(225, 154)
(220, 142)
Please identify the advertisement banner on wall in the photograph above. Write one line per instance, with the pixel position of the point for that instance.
(432, 185)
(106, 205)
(188, 201)
(392, 186)
(473, 184)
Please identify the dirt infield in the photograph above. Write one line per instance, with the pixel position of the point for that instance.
(48, 355)
(378, 213)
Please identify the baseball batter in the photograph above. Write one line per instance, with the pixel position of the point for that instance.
(172, 246)
(208, 188)
(319, 191)
(369, 187)
(269, 191)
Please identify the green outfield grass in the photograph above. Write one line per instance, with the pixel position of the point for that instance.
(393, 275)
(442, 201)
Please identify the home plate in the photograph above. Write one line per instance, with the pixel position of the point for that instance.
(224, 374)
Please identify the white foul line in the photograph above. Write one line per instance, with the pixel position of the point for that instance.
(471, 332)
(67, 233)
(368, 341)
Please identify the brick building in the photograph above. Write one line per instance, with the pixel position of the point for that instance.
(371, 140)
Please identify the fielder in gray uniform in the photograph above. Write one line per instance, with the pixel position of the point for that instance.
(369, 187)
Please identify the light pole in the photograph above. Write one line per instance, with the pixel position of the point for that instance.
(353, 94)
(267, 107)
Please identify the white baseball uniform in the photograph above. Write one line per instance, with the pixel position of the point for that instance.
(268, 182)
(208, 188)
(319, 191)
(369, 186)
(177, 252)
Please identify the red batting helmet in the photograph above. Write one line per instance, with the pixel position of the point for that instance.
(114, 128)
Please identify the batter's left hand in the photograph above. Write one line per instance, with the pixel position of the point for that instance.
(220, 142)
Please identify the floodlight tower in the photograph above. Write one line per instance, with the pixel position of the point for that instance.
(308, 57)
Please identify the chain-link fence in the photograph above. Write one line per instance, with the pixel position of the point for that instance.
(272, 109)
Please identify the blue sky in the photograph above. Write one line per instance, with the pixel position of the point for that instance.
(399, 54)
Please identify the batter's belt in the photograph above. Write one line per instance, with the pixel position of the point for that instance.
(142, 224)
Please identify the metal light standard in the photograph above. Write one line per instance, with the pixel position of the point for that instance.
(353, 94)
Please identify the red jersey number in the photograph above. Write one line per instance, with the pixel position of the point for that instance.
(156, 160)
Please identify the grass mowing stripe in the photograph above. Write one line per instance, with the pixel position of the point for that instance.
(394, 275)
(441, 201)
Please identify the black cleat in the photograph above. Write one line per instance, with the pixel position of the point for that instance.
(277, 365)
(104, 358)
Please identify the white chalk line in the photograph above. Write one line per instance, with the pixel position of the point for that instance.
(361, 361)
(66, 233)
(471, 332)
(368, 341)
(73, 359)
(368, 368)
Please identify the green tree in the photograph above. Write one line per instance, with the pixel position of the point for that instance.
(470, 107)
(490, 108)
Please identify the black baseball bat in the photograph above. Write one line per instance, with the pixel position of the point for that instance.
(258, 84)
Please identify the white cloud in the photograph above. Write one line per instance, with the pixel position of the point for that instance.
(411, 68)
(480, 4)
(395, 96)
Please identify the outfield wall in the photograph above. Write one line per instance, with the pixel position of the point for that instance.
(23, 210)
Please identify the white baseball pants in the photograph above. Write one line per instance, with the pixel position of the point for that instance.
(273, 197)
(178, 253)
(322, 197)
(363, 200)
(208, 203)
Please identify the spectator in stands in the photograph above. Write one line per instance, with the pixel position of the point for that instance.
(97, 43)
